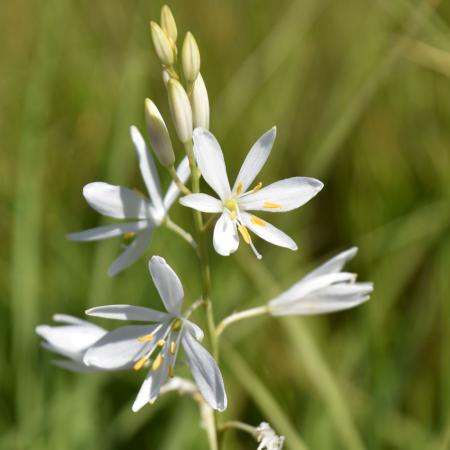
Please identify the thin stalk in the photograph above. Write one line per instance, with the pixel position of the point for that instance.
(241, 315)
(206, 284)
(181, 186)
(239, 426)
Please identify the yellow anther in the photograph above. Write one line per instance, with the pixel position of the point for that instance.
(161, 342)
(159, 359)
(270, 205)
(146, 338)
(245, 234)
(233, 215)
(140, 363)
(171, 371)
(176, 325)
(257, 187)
(128, 236)
(258, 221)
(231, 204)
(173, 347)
(239, 188)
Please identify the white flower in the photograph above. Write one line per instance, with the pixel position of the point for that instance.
(156, 345)
(325, 289)
(234, 203)
(267, 438)
(70, 340)
(142, 214)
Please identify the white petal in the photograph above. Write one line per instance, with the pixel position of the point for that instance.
(330, 299)
(128, 312)
(148, 169)
(225, 239)
(66, 318)
(108, 231)
(73, 366)
(255, 160)
(205, 372)
(116, 201)
(71, 340)
(334, 264)
(210, 161)
(283, 195)
(202, 202)
(143, 396)
(132, 252)
(121, 348)
(267, 231)
(183, 172)
(194, 329)
(168, 284)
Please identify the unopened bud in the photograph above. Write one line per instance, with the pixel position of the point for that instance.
(190, 58)
(168, 24)
(180, 109)
(162, 45)
(165, 76)
(158, 134)
(200, 103)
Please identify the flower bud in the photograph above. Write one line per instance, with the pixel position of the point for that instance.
(166, 77)
(168, 24)
(190, 58)
(162, 45)
(180, 109)
(158, 134)
(200, 103)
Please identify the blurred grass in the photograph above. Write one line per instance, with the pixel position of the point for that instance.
(360, 93)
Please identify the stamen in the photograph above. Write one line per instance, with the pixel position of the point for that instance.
(140, 363)
(257, 254)
(239, 188)
(159, 359)
(258, 221)
(173, 347)
(128, 236)
(270, 205)
(146, 338)
(245, 234)
(161, 342)
(257, 187)
(171, 371)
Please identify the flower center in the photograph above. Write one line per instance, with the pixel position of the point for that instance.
(232, 205)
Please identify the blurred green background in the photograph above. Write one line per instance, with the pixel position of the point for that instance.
(360, 92)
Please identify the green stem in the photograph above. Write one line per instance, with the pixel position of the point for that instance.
(206, 280)
(181, 186)
(241, 315)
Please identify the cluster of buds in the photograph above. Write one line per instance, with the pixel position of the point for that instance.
(188, 97)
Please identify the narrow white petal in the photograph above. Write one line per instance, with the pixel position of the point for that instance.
(168, 284)
(143, 396)
(210, 161)
(194, 329)
(121, 348)
(334, 264)
(128, 312)
(202, 202)
(148, 169)
(73, 366)
(116, 201)
(205, 372)
(255, 160)
(66, 318)
(183, 172)
(267, 231)
(132, 252)
(225, 239)
(108, 231)
(282, 196)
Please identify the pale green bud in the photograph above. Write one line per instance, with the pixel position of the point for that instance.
(180, 109)
(158, 134)
(190, 58)
(168, 24)
(162, 45)
(200, 103)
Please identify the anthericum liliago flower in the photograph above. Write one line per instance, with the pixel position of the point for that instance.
(233, 203)
(71, 340)
(142, 214)
(324, 290)
(156, 345)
